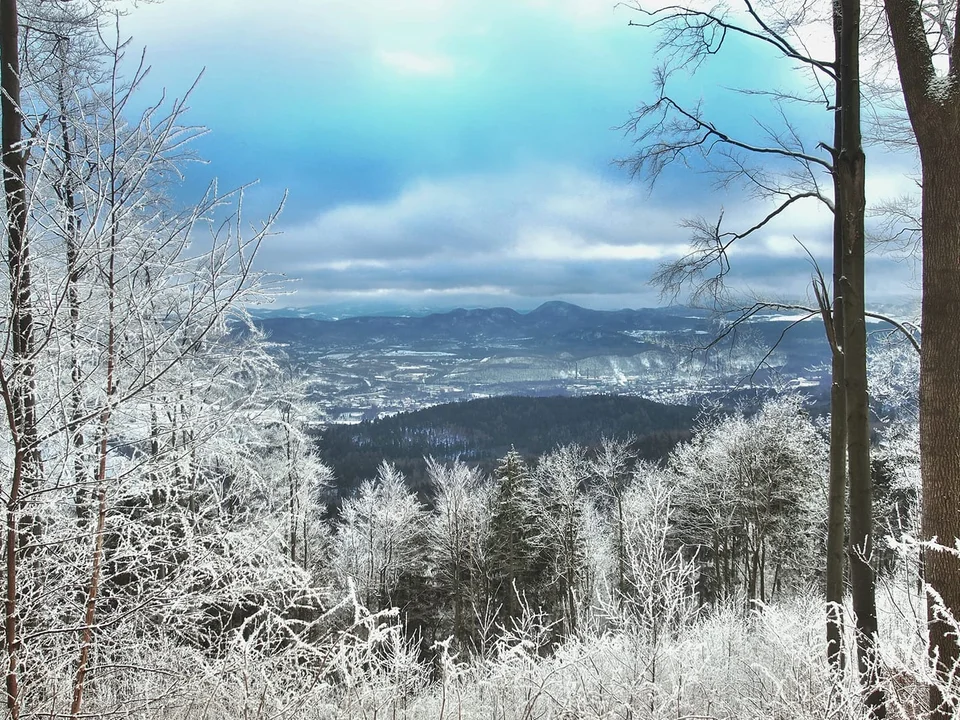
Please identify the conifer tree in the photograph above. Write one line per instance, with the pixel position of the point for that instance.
(516, 554)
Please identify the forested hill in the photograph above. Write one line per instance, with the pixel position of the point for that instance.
(481, 431)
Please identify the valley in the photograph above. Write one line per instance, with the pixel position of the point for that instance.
(365, 368)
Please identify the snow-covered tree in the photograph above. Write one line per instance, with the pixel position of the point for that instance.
(516, 553)
(457, 538)
(750, 498)
(658, 591)
(380, 540)
(561, 476)
(134, 519)
(611, 469)
(895, 381)
(294, 478)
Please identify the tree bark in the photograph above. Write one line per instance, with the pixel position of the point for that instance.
(837, 493)
(18, 248)
(67, 194)
(90, 609)
(17, 387)
(933, 104)
(850, 169)
(940, 405)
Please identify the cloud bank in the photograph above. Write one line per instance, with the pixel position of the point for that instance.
(520, 238)
(443, 152)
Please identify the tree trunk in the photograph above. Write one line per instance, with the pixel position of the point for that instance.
(621, 554)
(850, 168)
(458, 629)
(293, 509)
(939, 400)
(763, 572)
(67, 195)
(933, 104)
(18, 384)
(90, 610)
(837, 493)
(18, 251)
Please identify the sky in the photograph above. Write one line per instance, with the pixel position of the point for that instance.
(445, 153)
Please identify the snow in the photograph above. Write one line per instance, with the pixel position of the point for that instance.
(942, 88)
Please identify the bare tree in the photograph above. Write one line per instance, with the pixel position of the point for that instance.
(17, 381)
(124, 370)
(677, 133)
(851, 207)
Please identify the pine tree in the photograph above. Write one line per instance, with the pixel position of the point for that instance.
(516, 554)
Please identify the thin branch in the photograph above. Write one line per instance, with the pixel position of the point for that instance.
(684, 15)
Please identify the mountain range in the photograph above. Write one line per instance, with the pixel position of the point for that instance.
(367, 367)
(553, 325)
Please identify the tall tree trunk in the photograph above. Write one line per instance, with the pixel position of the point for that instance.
(837, 494)
(763, 571)
(18, 379)
(18, 248)
(67, 194)
(458, 631)
(850, 170)
(293, 510)
(933, 104)
(940, 404)
(621, 554)
(90, 609)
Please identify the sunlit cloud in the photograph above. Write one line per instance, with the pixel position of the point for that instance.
(410, 63)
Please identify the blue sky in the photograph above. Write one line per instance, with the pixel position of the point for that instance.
(460, 152)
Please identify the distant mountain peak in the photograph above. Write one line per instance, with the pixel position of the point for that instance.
(557, 307)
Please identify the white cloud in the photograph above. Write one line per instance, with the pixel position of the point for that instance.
(543, 232)
(585, 13)
(559, 243)
(410, 63)
(547, 213)
(552, 228)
